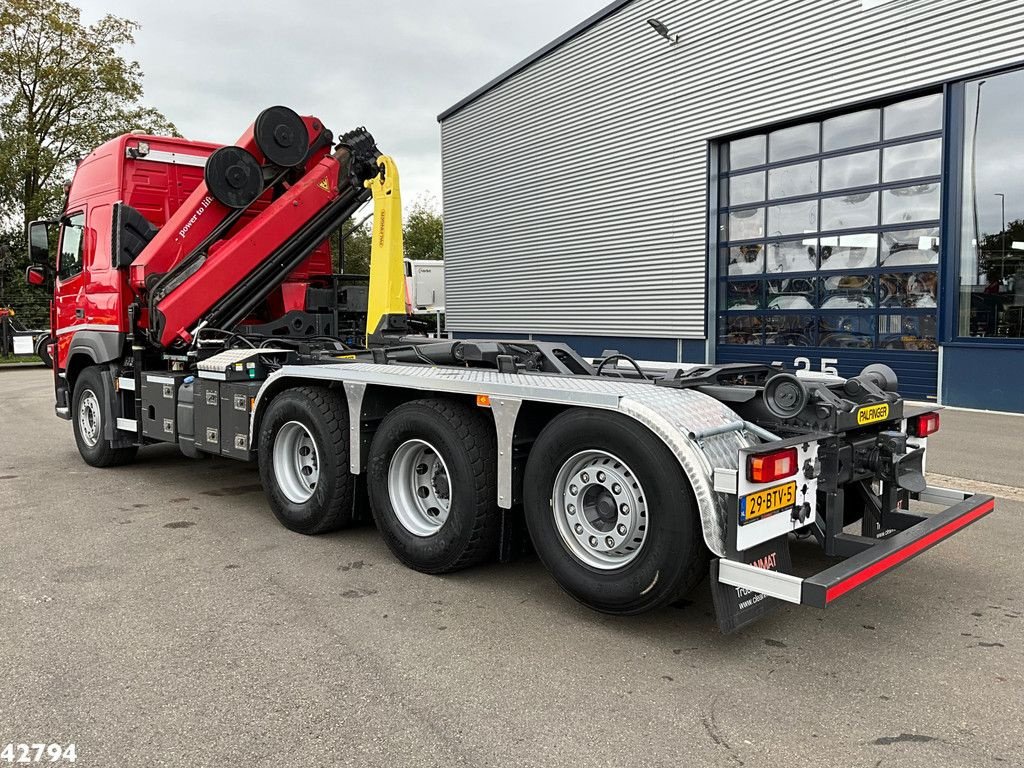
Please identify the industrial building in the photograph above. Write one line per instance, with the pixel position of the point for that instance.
(824, 183)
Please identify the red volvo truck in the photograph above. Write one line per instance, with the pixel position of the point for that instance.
(195, 303)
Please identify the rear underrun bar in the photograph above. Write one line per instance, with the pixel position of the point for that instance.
(824, 588)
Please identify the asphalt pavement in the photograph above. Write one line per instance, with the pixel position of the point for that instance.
(158, 615)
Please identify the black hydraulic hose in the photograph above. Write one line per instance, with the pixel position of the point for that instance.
(627, 358)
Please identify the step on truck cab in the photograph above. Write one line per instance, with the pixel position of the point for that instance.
(196, 303)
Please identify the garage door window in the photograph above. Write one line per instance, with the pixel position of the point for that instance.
(829, 231)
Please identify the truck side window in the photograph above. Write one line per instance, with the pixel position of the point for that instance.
(69, 261)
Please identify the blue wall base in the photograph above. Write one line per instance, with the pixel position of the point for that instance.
(989, 378)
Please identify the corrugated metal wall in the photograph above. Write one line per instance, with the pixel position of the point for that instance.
(575, 191)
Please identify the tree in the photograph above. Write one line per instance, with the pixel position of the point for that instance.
(64, 89)
(357, 247)
(424, 230)
(422, 235)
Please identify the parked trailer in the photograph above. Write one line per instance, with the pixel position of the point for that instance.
(633, 481)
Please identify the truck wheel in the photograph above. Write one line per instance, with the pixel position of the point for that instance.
(303, 460)
(41, 352)
(611, 514)
(433, 487)
(87, 420)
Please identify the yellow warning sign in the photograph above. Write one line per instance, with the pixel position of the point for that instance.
(325, 185)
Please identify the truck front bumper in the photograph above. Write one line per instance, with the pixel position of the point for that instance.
(878, 556)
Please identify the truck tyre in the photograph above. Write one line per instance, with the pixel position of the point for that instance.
(42, 353)
(87, 418)
(433, 486)
(303, 460)
(611, 514)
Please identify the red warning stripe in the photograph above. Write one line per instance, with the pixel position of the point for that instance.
(905, 553)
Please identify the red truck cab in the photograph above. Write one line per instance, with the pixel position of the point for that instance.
(152, 174)
(154, 177)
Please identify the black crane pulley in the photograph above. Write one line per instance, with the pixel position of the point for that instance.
(281, 136)
(234, 177)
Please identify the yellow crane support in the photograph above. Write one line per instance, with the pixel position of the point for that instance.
(386, 308)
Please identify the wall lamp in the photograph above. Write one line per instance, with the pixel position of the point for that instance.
(662, 30)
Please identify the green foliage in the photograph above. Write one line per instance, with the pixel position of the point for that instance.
(422, 234)
(357, 248)
(64, 89)
(424, 231)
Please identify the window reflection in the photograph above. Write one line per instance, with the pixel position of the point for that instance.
(912, 161)
(851, 130)
(793, 218)
(744, 259)
(919, 202)
(793, 180)
(740, 329)
(915, 332)
(788, 278)
(992, 245)
(791, 293)
(746, 225)
(790, 330)
(793, 256)
(746, 188)
(919, 290)
(908, 118)
(910, 247)
(850, 211)
(745, 153)
(850, 331)
(846, 171)
(849, 251)
(848, 292)
(788, 143)
(743, 294)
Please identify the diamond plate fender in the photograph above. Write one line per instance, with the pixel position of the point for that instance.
(672, 414)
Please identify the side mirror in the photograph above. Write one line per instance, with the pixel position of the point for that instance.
(39, 242)
(36, 275)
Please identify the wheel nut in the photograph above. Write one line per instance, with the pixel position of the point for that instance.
(593, 541)
(616, 488)
(585, 477)
(624, 509)
(622, 530)
(571, 509)
(573, 490)
(600, 477)
(610, 542)
(579, 528)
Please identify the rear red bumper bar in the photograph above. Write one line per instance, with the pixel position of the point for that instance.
(856, 571)
(880, 557)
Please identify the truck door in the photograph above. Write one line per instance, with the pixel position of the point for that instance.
(69, 304)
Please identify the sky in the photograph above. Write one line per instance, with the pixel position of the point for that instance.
(212, 66)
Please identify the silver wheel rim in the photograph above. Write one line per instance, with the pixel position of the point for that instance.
(419, 485)
(89, 418)
(600, 510)
(296, 462)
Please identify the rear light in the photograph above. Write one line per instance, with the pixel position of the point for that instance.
(769, 467)
(923, 425)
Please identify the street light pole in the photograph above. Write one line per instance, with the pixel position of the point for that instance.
(1002, 223)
